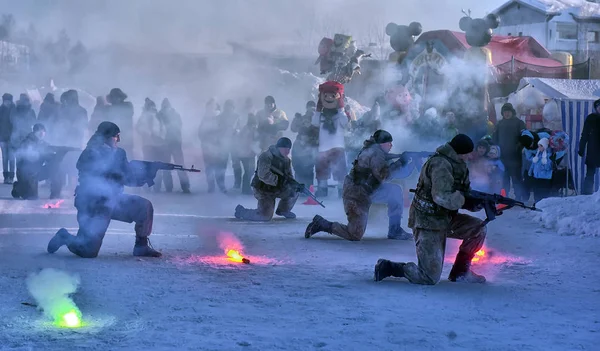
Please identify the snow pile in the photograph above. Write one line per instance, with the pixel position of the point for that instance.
(576, 215)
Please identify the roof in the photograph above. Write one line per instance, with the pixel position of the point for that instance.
(503, 48)
(572, 89)
(579, 9)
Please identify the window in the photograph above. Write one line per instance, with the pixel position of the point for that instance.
(510, 34)
(593, 37)
(520, 34)
(566, 31)
(550, 34)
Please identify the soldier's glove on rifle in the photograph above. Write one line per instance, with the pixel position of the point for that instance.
(473, 205)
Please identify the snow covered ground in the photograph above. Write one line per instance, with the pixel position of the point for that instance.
(296, 294)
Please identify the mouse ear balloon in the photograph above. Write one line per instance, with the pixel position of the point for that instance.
(465, 23)
(415, 28)
(492, 20)
(391, 28)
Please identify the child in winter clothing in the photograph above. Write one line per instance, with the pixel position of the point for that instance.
(495, 169)
(478, 166)
(541, 170)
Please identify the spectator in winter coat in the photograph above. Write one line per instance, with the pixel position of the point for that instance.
(541, 171)
(153, 133)
(304, 152)
(120, 112)
(6, 127)
(48, 114)
(73, 123)
(173, 143)
(229, 121)
(244, 151)
(529, 140)
(589, 147)
(22, 119)
(99, 115)
(495, 169)
(361, 130)
(213, 147)
(478, 167)
(506, 136)
(271, 123)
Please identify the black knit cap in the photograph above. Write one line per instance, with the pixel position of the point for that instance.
(596, 104)
(382, 136)
(284, 142)
(108, 129)
(462, 144)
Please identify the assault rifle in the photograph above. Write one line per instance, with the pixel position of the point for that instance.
(145, 171)
(300, 188)
(407, 155)
(489, 202)
(57, 153)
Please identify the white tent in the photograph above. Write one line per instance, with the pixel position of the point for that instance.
(572, 101)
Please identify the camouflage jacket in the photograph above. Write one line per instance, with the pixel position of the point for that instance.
(370, 169)
(438, 196)
(264, 178)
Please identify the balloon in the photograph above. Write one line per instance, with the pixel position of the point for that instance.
(492, 20)
(465, 24)
(415, 28)
(391, 28)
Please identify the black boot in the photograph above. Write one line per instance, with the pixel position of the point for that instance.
(239, 211)
(318, 224)
(461, 270)
(5, 174)
(144, 248)
(387, 268)
(396, 232)
(59, 239)
(15, 191)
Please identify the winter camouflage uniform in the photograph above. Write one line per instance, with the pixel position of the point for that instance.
(363, 186)
(434, 217)
(269, 186)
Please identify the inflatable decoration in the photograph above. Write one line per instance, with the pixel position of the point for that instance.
(402, 38)
(339, 58)
(478, 31)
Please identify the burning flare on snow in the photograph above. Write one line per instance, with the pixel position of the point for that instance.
(54, 205)
(232, 247)
(51, 289)
(478, 255)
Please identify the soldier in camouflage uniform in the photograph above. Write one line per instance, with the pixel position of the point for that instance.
(434, 217)
(365, 185)
(268, 186)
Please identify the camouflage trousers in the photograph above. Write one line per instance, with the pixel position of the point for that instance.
(266, 205)
(431, 246)
(357, 210)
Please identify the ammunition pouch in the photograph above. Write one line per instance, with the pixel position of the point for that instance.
(364, 177)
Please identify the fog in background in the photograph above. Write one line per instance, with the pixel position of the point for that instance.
(180, 48)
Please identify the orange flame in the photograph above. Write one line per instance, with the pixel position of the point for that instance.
(478, 255)
(54, 205)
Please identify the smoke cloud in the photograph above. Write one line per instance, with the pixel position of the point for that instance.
(51, 289)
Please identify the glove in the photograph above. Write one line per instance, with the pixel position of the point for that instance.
(472, 205)
(299, 187)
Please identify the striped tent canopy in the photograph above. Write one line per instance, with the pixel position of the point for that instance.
(573, 114)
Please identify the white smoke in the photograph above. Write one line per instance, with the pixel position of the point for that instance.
(51, 289)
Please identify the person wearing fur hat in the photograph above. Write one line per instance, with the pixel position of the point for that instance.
(271, 123)
(366, 184)
(434, 216)
(589, 147)
(332, 122)
(529, 141)
(121, 112)
(6, 127)
(506, 136)
(103, 173)
(541, 170)
(269, 185)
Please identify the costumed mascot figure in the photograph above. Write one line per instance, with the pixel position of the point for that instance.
(332, 122)
(402, 38)
(339, 58)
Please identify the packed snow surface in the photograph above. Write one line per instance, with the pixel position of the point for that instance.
(575, 215)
